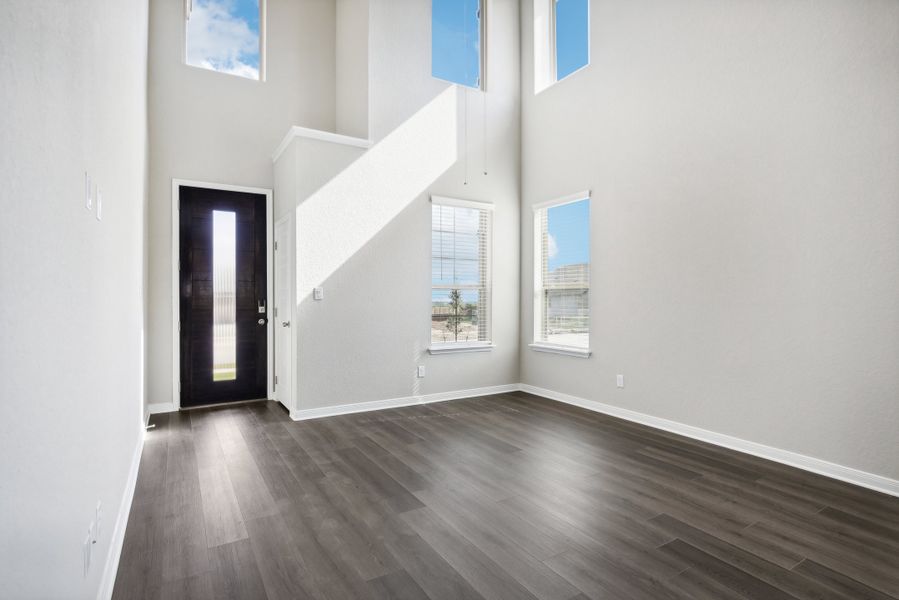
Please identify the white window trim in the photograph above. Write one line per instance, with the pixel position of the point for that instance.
(545, 63)
(460, 347)
(487, 345)
(482, 58)
(583, 195)
(564, 350)
(538, 345)
(459, 202)
(188, 7)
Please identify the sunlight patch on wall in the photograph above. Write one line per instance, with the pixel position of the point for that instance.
(341, 217)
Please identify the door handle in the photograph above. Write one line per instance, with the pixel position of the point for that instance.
(285, 323)
(261, 321)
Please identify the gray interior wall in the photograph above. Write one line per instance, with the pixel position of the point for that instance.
(744, 160)
(365, 339)
(351, 63)
(73, 99)
(219, 128)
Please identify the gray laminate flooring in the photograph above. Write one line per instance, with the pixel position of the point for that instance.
(508, 496)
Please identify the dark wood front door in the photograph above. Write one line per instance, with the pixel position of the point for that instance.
(224, 353)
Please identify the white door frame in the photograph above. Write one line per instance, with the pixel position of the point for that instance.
(176, 278)
(288, 253)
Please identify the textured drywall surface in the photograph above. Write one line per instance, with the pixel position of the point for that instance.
(73, 100)
(744, 163)
(364, 233)
(219, 128)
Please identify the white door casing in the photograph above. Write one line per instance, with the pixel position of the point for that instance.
(282, 321)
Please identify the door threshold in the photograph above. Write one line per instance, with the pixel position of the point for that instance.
(221, 404)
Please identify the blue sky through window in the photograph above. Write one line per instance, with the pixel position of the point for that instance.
(572, 36)
(568, 227)
(223, 35)
(456, 41)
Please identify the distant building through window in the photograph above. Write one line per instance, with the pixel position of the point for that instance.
(225, 36)
(562, 278)
(456, 41)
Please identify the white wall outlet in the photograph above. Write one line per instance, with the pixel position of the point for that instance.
(421, 371)
(88, 197)
(620, 380)
(99, 204)
(318, 293)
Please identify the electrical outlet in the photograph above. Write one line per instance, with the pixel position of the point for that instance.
(318, 293)
(620, 380)
(421, 371)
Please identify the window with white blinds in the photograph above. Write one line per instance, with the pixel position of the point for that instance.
(460, 272)
(562, 273)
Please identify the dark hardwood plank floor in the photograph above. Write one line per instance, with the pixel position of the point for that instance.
(508, 496)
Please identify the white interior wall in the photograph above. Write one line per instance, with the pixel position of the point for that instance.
(71, 326)
(744, 161)
(351, 64)
(364, 234)
(219, 128)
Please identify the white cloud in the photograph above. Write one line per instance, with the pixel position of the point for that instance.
(221, 41)
(552, 249)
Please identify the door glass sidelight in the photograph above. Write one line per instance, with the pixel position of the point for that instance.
(224, 292)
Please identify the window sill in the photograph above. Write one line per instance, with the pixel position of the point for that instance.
(459, 348)
(564, 350)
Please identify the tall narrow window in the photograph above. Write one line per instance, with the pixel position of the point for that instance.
(225, 36)
(456, 41)
(572, 36)
(561, 40)
(562, 275)
(224, 296)
(460, 274)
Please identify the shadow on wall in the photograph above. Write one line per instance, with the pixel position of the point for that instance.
(362, 341)
(342, 216)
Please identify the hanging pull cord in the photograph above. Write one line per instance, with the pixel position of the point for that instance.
(484, 115)
(465, 135)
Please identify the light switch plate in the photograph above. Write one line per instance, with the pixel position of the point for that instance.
(318, 293)
(421, 371)
(99, 205)
(88, 198)
(620, 381)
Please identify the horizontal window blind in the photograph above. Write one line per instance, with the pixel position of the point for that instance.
(460, 274)
(563, 278)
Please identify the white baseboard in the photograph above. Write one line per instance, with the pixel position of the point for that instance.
(345, 409)
(793, 459)
(162, 407)
(107, 581)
